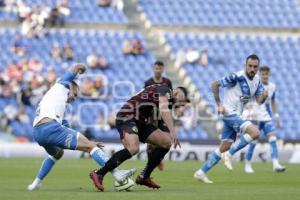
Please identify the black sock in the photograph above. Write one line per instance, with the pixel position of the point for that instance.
(153, 161)
(114, 161)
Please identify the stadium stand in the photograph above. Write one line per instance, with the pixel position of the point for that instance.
(279, 14)
(86, 11)
(225, 53)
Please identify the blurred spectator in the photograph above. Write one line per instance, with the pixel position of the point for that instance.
(203, 60)
(24, 98)
(38, 89)
(23, 10)
(188, 119)
(58, 12)
(67, 52)
(118, 4)
(35, 65)
(96, 62)
(56, 52)
(19, 46)
(14, 71)
(22, 115)
(86, 87)
(134, 47)
(11, 112)
(100, 86)
(104, 3)
(95, 87)
(192, 56)
(51, 77)
(64, 8)
(10, 5)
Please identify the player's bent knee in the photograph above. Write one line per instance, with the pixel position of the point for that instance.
(253, 131)
(133, 149)
(167, 144)
(59, 155)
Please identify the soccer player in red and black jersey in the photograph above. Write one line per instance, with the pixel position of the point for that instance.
(154, 101)
(158, 69)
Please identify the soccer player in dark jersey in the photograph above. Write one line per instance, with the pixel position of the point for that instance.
(158, 69)
(153, 101)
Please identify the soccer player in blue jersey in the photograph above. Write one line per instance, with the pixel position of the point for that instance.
(51, 133)
(262, 115)
(240, 88)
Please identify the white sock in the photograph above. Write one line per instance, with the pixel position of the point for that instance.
(36, 181)
(275, 162)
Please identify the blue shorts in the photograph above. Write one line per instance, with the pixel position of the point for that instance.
(54, 137)
(266, 127)
(233, 124)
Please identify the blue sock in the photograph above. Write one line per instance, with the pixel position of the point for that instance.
(244, 140)
(212, 160)
(46, 167)
(250, 151)
(99, 156)
(274, 151)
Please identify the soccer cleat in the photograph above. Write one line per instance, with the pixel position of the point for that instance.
(201, 176)
(248, 168)
(33, 186)
(123, 174)
(97, 180)
(147, 182)
(278, 168)
(227, 160)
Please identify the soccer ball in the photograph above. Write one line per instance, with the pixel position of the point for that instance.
(126, 185)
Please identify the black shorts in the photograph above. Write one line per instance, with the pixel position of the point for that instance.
(143, 130)
(162, 126)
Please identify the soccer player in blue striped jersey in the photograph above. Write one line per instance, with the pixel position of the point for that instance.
(262, 115)
(239, 88)
(50, 132)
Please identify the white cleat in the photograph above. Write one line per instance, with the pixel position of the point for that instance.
(248, 168)
(201, 176)
(122, 175)
(34, 186)
(278, 168)
(227, 160)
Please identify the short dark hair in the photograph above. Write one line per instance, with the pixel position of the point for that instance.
(253, 57)
(185, 92)
(158, 62)
(264, 69)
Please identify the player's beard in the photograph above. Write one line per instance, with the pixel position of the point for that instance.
(251, 75)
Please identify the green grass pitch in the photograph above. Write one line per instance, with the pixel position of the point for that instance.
(69, 180)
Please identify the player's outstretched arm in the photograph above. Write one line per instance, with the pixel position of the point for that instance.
(215, 86)
(168, 119)
(69, 76)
